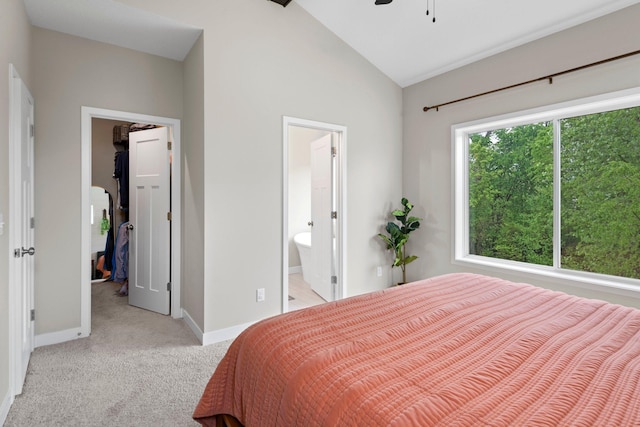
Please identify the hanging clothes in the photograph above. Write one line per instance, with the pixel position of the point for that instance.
(121, 173)
(108, 250)
(110, 243)
(121, 255)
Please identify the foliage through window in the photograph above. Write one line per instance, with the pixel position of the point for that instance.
(575, 177)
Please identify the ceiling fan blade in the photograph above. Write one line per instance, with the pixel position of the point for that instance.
(284, 3)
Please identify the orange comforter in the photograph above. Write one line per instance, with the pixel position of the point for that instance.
(455, 350)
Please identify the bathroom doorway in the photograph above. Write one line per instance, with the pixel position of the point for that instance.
(314, 213)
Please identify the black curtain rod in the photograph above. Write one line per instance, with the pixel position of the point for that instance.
(549, 77)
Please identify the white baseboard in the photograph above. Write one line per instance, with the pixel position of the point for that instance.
(58, 337)
(214, 336)
(5, 406)
(224, 334)
(294, 270)
(192, 325)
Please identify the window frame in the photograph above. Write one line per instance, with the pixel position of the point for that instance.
(460, 187)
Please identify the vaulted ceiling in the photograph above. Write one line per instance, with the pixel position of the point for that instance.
(398, 38)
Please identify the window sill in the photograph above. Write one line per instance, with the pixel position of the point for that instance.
(590, 281)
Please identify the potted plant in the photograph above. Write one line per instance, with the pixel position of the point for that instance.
(398, 234)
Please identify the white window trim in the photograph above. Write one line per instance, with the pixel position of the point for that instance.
(460, 170)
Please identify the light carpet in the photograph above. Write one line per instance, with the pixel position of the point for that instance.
(137, 368)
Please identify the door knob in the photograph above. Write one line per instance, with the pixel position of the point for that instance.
(310, 223)
(29, 251)
(129, 226)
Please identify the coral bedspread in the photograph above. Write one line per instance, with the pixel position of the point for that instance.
(455, 350)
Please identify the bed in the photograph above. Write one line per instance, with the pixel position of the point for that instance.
(455, 350)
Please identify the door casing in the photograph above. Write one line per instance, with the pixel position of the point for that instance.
(88, 113)
(340, 196)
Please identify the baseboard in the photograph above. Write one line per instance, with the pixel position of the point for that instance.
(294, 270)
(192, 325)
(57, 337)
(224, 334)
(5, 406)
(213, 336)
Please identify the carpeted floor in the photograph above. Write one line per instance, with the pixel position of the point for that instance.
(137, 368)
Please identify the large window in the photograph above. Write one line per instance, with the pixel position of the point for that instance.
(553, 190)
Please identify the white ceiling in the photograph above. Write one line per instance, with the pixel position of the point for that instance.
(111, 22)
(398, 38)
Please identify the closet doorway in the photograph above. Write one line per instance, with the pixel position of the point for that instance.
(314, 225)
(92, 117)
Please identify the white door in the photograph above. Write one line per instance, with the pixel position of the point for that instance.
(149, 220)
(321, 231)
(22, 219)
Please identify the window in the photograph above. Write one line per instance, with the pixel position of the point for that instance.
(555, 190)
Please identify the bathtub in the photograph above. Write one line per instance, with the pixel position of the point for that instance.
(303, 243)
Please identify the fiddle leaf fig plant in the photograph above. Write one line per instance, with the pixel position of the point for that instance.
(398, 235)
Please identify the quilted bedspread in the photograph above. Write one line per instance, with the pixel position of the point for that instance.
(455, 350)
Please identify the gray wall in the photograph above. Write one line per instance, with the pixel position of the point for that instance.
(15, 46)
(70, 72)
(193, 165)
(255, 63)
(262, 62)
(427, 135)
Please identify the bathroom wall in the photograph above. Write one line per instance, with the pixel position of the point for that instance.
(300, 140)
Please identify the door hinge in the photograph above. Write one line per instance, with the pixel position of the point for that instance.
(334, 215)
(33, 222)
(33, 314)
(334, 280)
(333, 151)
(17, 253)
(169, 145)
(168, 286)
(32, 130)
(168, 216)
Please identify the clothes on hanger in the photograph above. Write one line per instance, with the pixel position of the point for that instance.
(121, 173)
(121, 258)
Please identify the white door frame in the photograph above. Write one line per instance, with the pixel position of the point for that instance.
(341, 202)
(16, 319)
(88, 113)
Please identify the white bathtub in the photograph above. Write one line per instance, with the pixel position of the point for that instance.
(303, 243)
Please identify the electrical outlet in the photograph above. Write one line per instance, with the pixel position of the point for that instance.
(260, 294)
(379, 271)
